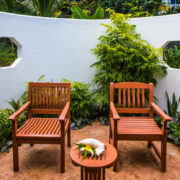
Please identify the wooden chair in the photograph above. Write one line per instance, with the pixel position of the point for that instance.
(131, 100)
(44, 98)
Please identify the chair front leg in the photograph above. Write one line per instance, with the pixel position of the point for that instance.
(164, 147)
(62, 155)
(15, 147)
(115, 143)
(69, 135)
(163, 155)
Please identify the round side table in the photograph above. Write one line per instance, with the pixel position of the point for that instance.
(94, 168)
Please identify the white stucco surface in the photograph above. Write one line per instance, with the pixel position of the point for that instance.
(60, 48)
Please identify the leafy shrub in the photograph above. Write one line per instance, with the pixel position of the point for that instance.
(172, 57)
(78, 13)
(81, 103)
(8, 52)
(6, 129)
(172, 105)
(174, 132)
(134, 7)
(178, 9)
(124, 56)
(173, 127)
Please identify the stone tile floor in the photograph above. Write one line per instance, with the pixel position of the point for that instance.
(135, 160)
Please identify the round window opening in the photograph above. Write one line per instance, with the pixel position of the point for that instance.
(8, 51)
(171, 54)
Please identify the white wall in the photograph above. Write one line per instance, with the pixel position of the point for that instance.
(60, 48)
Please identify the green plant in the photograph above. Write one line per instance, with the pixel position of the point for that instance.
(174, 125)
(6, 129)
(8, 52)
(178, 9)
(15, 104)
(172, 105)
(78, 13)
(81, 104)
(8, 5)
(44, 7)
(133, 7)
(172, 57)
(124, 56)
(174, 132)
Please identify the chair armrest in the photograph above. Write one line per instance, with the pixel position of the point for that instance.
(114, 111)
(64, 112)
(161, 113)
(19, 111)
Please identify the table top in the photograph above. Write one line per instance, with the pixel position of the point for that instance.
(105, 160)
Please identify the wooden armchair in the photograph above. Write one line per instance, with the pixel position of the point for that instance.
(131, 100)
(44, 98)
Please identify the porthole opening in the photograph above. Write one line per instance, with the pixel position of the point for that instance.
(171, 54)
(8, 51)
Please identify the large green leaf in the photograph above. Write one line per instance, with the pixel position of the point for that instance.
(78, 13)
(99, 14)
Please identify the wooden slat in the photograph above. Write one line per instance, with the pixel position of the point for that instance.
(133, 97)
(46, 111)
(44, 102)
(60, 98)
(48, 84)
(129, 98)
(37, 97)
(51, 98)
(138, 98)
(134, 110)
(124, 97)
(57, 96)
(64, 100)
(40, 93)
(143, 98)
(54, 97)
(119, 97)
(33, 97)
(131, 85)
(47, 97)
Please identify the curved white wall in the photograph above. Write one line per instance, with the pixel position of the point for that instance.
(60, 48)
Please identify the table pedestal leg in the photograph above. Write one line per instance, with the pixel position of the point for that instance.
(92, 173)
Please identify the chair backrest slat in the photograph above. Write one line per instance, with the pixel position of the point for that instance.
(48, 97)
(119, 97)
(134, 97)
(129, 98)
(143, 99)
(138, 98)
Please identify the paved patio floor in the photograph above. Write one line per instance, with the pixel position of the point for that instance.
(135, 160)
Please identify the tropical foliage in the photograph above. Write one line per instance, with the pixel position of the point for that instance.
(81, 104)
(173, 127)
(172, 57)
(8, 52)
(172, 105)
(78, 13)
(124, 56)
(44, 7)
(62, 8)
